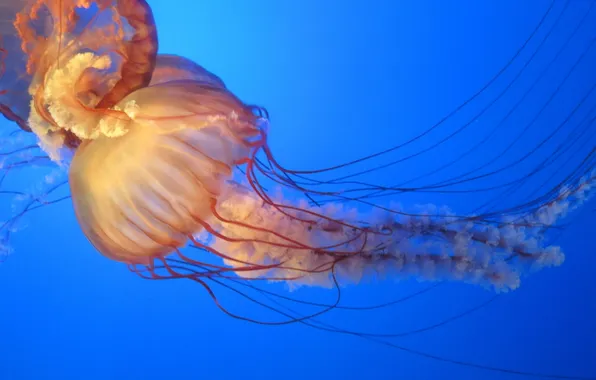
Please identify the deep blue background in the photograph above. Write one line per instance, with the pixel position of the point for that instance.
(340, 79)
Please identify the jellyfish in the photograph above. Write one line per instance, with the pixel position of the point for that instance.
(169, 172)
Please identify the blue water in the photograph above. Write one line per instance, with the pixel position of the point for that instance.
(340, 79)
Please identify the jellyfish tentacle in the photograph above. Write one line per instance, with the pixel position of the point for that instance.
(430, 247)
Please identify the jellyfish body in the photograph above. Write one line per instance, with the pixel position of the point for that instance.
(140, 195)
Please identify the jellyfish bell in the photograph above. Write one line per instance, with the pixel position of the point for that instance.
(141, 195)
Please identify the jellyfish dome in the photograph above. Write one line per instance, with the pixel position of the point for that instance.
(142, 194)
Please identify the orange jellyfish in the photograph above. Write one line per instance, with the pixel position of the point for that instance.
(153, 143)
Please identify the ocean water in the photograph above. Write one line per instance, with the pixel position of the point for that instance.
(342, 80)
